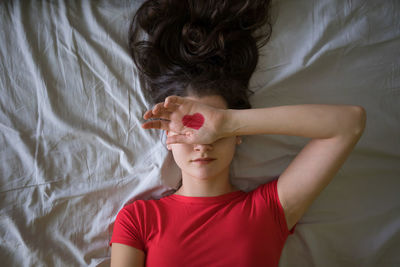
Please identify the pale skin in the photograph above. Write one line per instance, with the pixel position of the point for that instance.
(334, 131)
(205, 180)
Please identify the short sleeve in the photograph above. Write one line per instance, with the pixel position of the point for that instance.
(127, 228)
(270, 193)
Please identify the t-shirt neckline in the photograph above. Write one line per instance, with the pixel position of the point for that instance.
(207, 200)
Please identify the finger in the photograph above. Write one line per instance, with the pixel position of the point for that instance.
(171, 107)
(186, 138)
(148, 114)
(158, 107)
(160, 112)
(173, 99)
(177, 139)
(156, 124)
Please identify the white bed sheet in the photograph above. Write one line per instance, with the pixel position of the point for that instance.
(72, 152)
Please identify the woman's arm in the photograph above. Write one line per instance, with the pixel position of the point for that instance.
(123, 255)
(311, 120)
(334, 129)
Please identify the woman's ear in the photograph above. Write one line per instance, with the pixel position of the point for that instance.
(238, 140)
(168, 146)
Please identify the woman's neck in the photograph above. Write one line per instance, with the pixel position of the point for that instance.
(206, 187)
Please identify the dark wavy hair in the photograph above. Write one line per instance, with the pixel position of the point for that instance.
(199, 47)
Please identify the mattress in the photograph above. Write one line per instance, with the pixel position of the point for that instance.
(72, 152)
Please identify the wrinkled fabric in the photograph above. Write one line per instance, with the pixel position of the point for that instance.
(72, 152)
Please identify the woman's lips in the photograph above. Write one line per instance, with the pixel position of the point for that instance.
(203, 160)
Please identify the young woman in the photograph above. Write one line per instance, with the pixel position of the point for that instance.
(202, 104)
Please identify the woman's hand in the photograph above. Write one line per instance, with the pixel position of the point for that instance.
(192, 121)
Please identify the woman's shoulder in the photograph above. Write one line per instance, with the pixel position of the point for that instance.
(264, 190)
(144, 203)
(139, 208)
(138, 203)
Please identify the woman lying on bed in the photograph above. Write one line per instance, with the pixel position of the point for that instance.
(197, 64)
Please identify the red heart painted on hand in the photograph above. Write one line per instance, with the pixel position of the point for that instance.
(194, 121)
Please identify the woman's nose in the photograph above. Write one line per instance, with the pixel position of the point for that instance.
(203, 147)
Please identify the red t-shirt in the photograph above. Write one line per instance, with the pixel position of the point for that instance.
(234, 229)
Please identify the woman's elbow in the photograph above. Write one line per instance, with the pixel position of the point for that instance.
(359, 120)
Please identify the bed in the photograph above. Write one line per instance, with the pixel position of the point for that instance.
(72, 152)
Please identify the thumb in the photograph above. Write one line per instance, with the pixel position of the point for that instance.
(180, 138)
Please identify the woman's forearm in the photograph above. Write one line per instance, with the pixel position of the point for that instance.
(310, 120)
